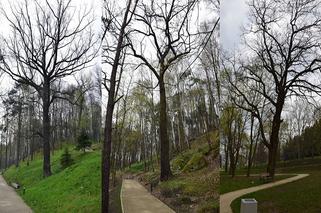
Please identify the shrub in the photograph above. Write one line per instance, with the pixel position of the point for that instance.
(181, 160)
(65, 159)
(171, 188)
(83, 141)
(197, 162)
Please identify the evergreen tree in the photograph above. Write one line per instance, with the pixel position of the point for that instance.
(83, 141)
(65, 159)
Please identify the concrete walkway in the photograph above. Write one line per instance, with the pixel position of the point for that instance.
(227, 198)
(136, 199)
(10, 202)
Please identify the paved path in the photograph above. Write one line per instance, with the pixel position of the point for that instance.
(10, 202)
(227, 198)
(136, 199)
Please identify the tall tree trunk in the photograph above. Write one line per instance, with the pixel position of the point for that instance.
(274, 140)
(46, 129)
(163, 136)
(109, 116)
(107, 146)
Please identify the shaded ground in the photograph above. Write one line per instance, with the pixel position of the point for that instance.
(227, 198)
(136, 199)
(10, 202)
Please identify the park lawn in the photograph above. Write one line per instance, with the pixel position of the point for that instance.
(74, 189)
(297, 197)
(229, 184)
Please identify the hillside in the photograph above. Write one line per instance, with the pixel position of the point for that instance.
(74, 189)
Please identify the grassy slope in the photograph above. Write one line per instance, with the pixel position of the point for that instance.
(74, 189)
(189, 190)
(297, 197)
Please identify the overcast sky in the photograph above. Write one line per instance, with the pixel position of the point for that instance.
(81, 5)
(5, 81)
(233, 17)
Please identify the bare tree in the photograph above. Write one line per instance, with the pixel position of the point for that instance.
(48, 42)
(114, 55)
(285, 45)
(165, 32)
(300, 116)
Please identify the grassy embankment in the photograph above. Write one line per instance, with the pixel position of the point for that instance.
(74, 189)
(194, 186)
(298, 197)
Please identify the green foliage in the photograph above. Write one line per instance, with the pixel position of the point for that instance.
(195, 158)
(65, 159)
(309, 142)
(152, 177)
(197, 162)
(135, 168)
(171, 188)
(83, 141)
(181, 160)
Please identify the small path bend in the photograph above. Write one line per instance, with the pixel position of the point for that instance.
(227, 198)
(10, 201)
(136, 199)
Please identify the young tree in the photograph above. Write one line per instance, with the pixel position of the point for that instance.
(45, 47)
(65, 159)
(83, 141)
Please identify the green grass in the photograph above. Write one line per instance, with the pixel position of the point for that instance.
(136, 168)
(74, 189)
(300, 196)
(229, 184)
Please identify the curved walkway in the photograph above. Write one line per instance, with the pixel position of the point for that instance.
(10, 202)
(136, 199)
(227, 198)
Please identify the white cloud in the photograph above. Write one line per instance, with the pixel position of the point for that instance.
(233, 17)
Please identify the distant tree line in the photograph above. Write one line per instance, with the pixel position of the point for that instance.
(309, 143)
